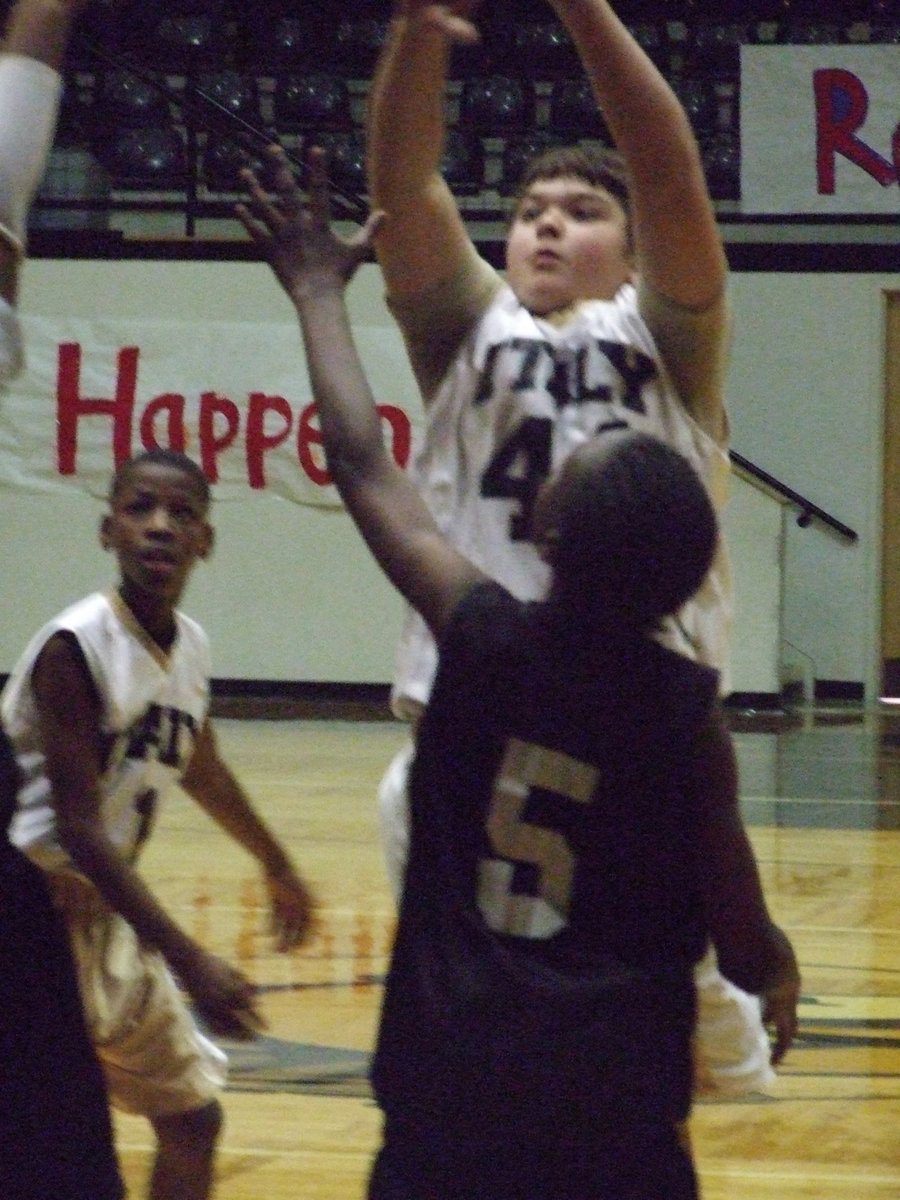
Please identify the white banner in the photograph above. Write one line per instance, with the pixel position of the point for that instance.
(233, 396)
(820, 129)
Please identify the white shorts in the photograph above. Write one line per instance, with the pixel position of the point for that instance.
(732, 1056)
(156, 1061)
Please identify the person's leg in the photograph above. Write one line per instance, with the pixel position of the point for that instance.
(731, 1047)
(405, 1167)
(393, 817)
(383, 1182)
(636, 1162)
(56, 1137)
(157, 1062)
(185, 1153)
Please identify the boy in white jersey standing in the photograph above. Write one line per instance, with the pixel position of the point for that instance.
(107, 707)
(613, 313)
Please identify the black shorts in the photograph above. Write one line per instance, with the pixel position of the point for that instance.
(629, 1162)
(56, 1135)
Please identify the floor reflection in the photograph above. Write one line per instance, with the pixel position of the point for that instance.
(820, 769)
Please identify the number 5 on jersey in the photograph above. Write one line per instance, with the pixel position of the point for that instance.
(527, 767)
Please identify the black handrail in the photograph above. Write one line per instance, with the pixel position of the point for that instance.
(202, 112)
(808, 510)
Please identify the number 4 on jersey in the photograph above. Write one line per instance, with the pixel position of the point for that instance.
(518, 469)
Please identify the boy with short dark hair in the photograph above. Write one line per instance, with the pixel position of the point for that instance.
(106, 709)
(576, 840)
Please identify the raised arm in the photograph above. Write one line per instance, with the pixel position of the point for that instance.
(314, 267)
(37, 33)
(753, 952)
(425, 242)
(678, 246)
(40, 29)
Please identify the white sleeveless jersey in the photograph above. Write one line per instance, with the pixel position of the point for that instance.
(153, 706)
(519, 396)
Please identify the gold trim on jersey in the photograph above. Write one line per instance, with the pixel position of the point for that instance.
(162, 657)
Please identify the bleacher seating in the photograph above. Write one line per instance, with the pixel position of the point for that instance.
(161, 92)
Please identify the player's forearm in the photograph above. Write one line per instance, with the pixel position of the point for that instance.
(213, 785)
(229, 806)
(753, 952)
(40, 29)
(123, 889)
(644, 115)
(30, 88)
(678, 246)
(763, 964)
(351, 427)
(405, 116)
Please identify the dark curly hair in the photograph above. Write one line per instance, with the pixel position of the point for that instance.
(636, 530)
(164, 458)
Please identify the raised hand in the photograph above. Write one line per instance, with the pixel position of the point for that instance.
(295, 235)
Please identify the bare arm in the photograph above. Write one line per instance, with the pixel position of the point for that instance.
(37, 30)
(69, 714)
(425, 241)
(213, 785)
(753, 952)
(314, 267)
(679, 249)
(40, 29)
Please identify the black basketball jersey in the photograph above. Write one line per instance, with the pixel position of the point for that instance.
(542, 974)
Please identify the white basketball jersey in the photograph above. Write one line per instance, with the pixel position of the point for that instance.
(153, 705)
(521, 394)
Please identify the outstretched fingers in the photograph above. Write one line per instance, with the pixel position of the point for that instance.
(292, 226)
(317, 181)
(283, 205)
(258, 215)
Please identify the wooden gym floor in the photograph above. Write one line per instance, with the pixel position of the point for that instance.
(821, 796)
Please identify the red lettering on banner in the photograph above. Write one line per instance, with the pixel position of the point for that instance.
(842, 105)
(211, 445)
(70, 406)
(401, 431)
(308, 435)
(162, 423)
(171, 405)
(257, 440)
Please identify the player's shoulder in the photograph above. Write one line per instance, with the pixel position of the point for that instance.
(191, 633)
(91, 611)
